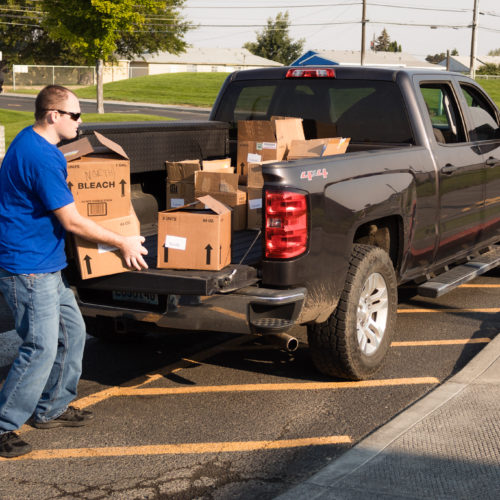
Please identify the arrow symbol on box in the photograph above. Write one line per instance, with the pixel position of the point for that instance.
(70, 185)
(87, 260)
(165, 253)
(209, 249)
(122, 182)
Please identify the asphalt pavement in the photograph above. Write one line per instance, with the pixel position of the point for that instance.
(24, 102)
(445, 446)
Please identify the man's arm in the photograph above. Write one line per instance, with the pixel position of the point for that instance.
(130, 246)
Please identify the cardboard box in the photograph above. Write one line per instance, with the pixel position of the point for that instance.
(224, 188)
(264, 140)
(182, 170)
(97, 259)
(179, 193)
(255, 178)
(317, 148)
(180, 182)
(98, 177)
(254, 208)
(190, 238)
(222, 165)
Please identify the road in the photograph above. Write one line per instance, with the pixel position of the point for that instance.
(26, 103)
(213, 416)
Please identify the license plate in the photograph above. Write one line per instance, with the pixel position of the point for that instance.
(137, 297)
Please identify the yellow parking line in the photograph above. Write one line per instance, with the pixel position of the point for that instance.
(450, 310)
(306, 386)
(97, 397)
(181, 449)
(413, 343)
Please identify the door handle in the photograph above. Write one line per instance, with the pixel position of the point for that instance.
(491, 162)
(448, 169)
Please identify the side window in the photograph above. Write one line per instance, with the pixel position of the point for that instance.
(443, 113)
(484, 125)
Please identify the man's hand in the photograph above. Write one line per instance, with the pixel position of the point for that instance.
(133, 251)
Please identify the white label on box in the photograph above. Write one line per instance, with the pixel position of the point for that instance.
(176, 202)
(175, 242)
(253, 158)
(269, 145)
(255, 204)
(103, 248)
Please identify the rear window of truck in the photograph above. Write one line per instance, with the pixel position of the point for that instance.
(365, 111)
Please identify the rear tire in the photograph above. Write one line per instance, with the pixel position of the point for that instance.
(353, 343)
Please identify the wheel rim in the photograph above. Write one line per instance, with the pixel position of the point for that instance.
(372, 314)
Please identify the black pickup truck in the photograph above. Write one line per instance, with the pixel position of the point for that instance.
(416, 197)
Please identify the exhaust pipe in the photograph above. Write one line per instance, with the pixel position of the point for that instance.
(283, 340)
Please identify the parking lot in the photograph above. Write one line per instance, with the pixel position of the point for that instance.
(199, 415)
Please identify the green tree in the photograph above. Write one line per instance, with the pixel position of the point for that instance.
(99, 30)
(274, 42)
(436, 58)
(23, 39)
(383, 43)
(489, 69)
(494, 52)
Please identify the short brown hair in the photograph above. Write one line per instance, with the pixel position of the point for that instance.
(50, 97)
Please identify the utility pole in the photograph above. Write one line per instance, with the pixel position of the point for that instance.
(473, 41)
(363, 29)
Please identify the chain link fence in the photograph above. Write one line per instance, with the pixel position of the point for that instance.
(70, 76)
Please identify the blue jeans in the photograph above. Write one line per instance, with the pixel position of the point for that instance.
(43, 379)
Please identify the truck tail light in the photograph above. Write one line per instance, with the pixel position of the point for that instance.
(286, 224)
(311, 73)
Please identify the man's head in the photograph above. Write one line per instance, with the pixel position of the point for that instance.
(58, 109)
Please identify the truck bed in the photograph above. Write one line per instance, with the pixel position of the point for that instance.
(149, 289)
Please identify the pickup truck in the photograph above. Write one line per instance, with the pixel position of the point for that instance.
(415, 198)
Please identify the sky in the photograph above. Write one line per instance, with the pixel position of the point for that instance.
(336, 24)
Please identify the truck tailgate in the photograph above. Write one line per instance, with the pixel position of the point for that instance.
(246, 253)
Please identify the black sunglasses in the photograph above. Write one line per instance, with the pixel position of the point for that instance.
(73, 116)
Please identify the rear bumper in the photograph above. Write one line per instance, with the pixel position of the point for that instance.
(247, 310)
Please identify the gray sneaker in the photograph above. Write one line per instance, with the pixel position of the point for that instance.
(72, 417)
(11, 445)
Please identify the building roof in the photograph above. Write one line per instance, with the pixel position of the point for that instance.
(215, 56)
(462, 63)
(353, 57)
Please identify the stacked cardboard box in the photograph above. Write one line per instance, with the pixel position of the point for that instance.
(199, 236)
(180, 182)
(180, 178)
(263, 140)
(255, 183)
(99, 178)
(224, 188)
(314, 148)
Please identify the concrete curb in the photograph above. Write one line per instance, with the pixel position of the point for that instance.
(367, 449)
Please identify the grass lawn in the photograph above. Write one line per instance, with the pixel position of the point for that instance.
(194, 89)
(492, 87)
(15, 121)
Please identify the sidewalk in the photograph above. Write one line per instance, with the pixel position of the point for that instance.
(445, 446)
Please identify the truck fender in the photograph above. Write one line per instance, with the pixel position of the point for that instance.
(351, 204)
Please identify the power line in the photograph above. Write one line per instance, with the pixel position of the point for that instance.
(270, 6)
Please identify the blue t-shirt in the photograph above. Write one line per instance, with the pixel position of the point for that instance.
(32, 185)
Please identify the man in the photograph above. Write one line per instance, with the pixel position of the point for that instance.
(36, 209)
